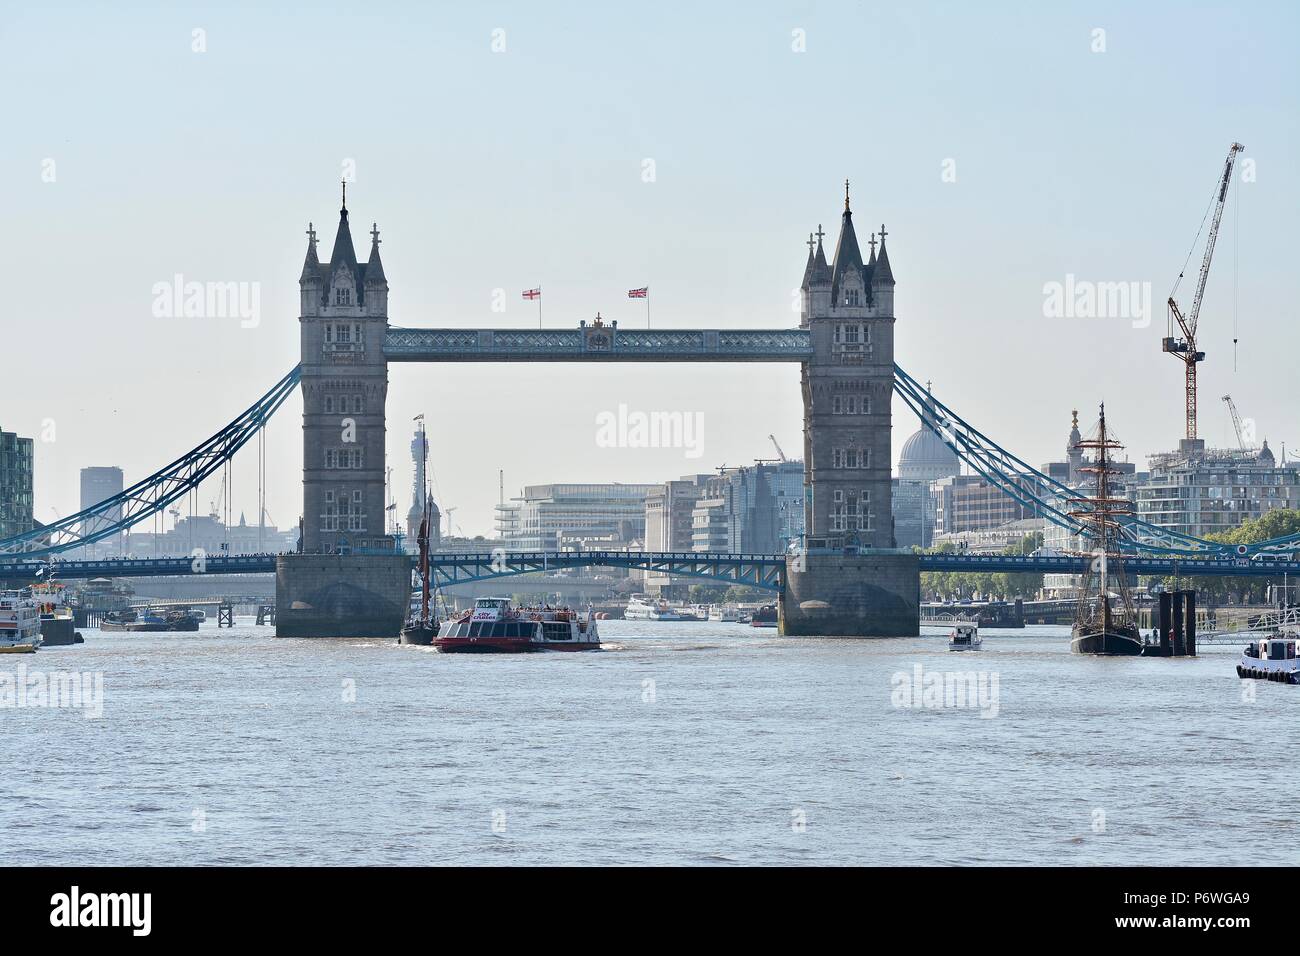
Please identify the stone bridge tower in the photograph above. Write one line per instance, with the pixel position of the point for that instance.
(847, 387)
(344, 386)
(347, 581)
(849, 580)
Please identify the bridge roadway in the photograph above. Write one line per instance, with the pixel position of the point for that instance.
(757, 570)
(597, 343)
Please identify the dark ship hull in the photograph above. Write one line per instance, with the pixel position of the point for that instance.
(1109, 642)
(178, 623)
(59, 632)
(417, 635)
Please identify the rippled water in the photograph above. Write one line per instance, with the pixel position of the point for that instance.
(679, 743)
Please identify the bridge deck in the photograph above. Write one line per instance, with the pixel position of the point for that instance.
(604, 343)
(761, 570)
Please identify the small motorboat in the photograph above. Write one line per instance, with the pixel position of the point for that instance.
(965, 637)
(1271, 658)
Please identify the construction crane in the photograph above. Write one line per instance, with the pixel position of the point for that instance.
(1236, 423)
(213, 512)
(1185, 348)
(778, 449)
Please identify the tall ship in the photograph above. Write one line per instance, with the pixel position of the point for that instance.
(20, 622)
(494, 626)
(1103, 626)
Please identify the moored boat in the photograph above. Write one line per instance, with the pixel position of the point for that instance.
(58, 629)
(1100, 626)
(20, 622)
(493, 626)
(724, 614)
(765, 616)
(152, 620)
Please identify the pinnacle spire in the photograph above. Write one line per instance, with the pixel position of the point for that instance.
(375, 267)
(343, 252)
(821, 270)
(847, 254)
(311, 264)
(881, 273)
(808, 268)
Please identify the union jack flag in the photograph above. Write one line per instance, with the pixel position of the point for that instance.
(533, 293)
(640, 293)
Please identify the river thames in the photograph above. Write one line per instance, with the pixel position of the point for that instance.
(684, 743)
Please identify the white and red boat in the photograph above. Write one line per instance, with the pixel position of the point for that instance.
(494, 627)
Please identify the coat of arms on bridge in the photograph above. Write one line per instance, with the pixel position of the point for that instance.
(599, 337)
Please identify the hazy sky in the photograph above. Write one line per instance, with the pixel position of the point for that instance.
(495, 170)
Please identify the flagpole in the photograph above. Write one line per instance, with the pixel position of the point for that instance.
(647, 308)
(539, 306)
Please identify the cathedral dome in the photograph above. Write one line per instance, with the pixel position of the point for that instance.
(925, 457)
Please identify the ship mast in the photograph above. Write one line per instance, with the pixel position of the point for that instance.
(1103, 514)
(424, 534)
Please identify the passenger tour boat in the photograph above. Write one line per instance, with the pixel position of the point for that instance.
(640, 608)
(20, 622)
(494, 627)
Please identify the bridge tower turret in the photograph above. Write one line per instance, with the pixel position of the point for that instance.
(344, 388)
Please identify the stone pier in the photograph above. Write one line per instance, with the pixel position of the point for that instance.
(851, 595)
(338, 595)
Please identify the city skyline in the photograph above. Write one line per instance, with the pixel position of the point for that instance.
(533, 179)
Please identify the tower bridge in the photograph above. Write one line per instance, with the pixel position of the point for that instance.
(847, 578)
(850, 580)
